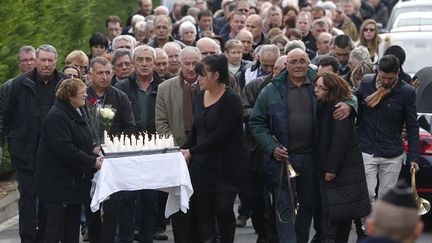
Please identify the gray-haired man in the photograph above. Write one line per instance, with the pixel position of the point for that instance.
(31, 96)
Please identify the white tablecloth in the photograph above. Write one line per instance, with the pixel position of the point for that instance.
(166, 172)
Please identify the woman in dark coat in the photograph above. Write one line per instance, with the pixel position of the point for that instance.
(343, 188)
(216, 152)
(65, 162)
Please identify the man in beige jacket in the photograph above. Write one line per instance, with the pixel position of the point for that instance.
(175, 98)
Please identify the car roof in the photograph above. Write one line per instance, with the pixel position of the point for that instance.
(416, 46)
(408, 6)
(412, 28)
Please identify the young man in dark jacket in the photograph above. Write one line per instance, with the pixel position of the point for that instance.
(31, 96)
(386, 104)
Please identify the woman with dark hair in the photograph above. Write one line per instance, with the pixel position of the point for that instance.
(65, 163)
(215, 152)
(98, 45)
(342, 180)
(369, 37)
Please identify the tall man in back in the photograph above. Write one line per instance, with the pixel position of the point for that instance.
(31, 96)
(141, 88)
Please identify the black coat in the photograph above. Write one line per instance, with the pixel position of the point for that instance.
(65, 159)
(219, 158)
(22, 118)
(345, 197)
(130, 87)
(123, 121)
(380, 131)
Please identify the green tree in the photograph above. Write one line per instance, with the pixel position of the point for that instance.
(66, 24)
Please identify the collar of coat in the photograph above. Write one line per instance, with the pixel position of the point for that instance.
(70, 111)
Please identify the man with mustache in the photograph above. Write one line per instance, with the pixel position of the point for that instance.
(141, 88)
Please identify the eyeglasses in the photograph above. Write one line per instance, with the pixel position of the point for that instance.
(297, 62)
(319, 87)
(27, 60)
(369, 30)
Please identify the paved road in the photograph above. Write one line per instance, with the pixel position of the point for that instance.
(9, 234)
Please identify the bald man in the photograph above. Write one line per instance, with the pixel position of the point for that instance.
(146, 9)
(208, 46)
(288, 102)
(254, 25)
(247, 40)
(323, 46)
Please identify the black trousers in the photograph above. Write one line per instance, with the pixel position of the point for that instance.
(209, 207)
(148, 208)
(254, 197)
(102, 227)
(63, 222)
(161, 222)
(32, 215)
(181, 226)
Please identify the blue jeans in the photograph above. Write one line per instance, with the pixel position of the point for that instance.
(296, 229)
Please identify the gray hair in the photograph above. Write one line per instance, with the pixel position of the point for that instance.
(119, 53)
(269, 50)
(163, 8)
(187, 18)
(159, 17)
(47, 48)
(140, 26)
(361, 54)
(136, 18)
(171, 44)
(157, 50)
(128, 38)
(291, 45)
(189, 49)
(101, 60)
(320, 23)
(143, 48)
(186, 25)
(26, 49)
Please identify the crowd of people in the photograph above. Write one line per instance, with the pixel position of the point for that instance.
(287, 105)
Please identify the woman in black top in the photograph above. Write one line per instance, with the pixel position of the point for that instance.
(215, 152)
(343, 188)
(65, 162)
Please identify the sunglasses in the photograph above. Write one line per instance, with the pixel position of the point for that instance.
(368, 30)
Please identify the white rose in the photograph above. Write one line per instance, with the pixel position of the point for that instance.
(106, 113)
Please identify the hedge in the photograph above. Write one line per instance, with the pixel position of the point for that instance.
(66, 24)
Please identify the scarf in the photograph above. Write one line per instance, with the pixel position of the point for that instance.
(189, 93)
(375, 98)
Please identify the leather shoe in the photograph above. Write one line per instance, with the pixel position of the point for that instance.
(241, 221)
(159, 235)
